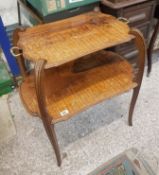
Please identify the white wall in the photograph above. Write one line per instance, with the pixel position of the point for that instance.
(7, 4)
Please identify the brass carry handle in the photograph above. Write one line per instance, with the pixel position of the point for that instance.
(125, 20)
(16, 49)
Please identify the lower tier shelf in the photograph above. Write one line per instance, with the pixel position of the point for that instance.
(76, 86)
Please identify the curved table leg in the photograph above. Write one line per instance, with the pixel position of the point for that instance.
(132, 105)
(151, 46)
(140, 44)
(46, 119)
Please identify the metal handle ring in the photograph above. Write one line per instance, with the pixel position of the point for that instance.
(125, 20)
(14, 49)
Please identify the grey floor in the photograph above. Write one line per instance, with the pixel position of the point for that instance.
(89, 139)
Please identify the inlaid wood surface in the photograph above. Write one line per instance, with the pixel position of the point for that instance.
(71, 88)
(69, 39)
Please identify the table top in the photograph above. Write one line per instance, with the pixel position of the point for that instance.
(66, 40)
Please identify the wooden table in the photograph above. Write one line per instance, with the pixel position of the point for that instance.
(72, 69)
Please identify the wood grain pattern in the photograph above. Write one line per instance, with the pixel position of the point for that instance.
(66, 40)
(69, 90)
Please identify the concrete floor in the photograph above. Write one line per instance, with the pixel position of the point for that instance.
(89, 139)
(7, 128)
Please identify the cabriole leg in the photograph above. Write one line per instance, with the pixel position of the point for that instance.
(56, 146)
(140, 44)
(132, 105)
(50, 130)
(39, 86)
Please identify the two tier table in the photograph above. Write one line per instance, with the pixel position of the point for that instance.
(72, 68)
